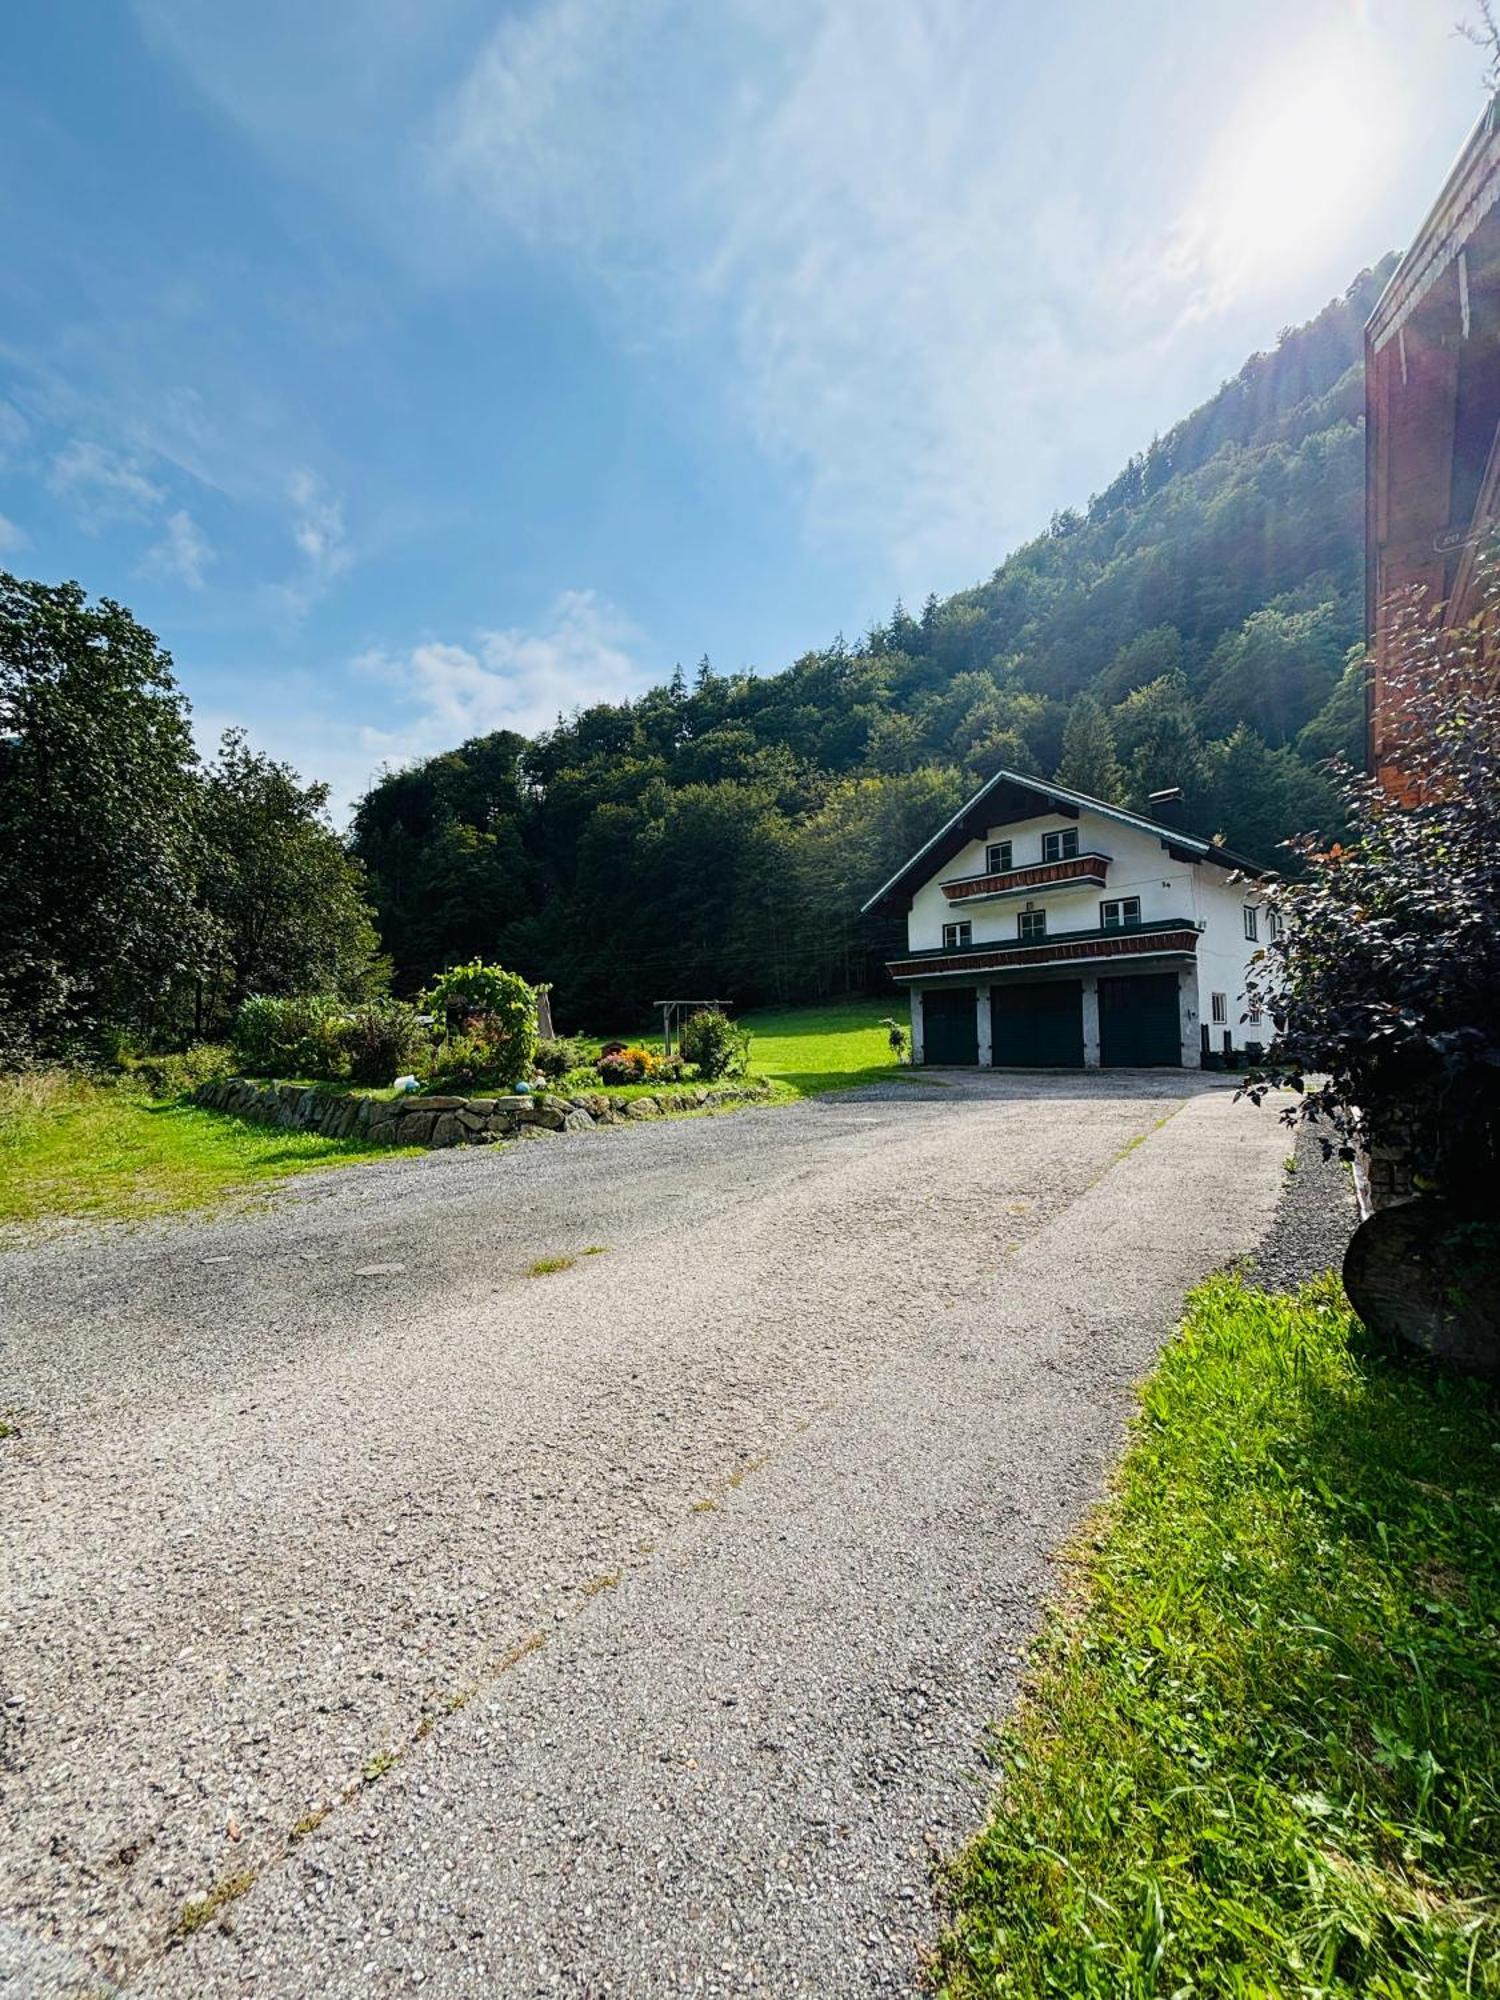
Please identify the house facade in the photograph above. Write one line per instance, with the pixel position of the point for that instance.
(1050, 930)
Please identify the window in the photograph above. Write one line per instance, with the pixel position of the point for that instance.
(1121, 913)
(1252, 1019)
(1220, 1007)
(958, 937)
(997, 857)
(1276, 926)
(1032, 924)
(1252, 922)
(1060, 846)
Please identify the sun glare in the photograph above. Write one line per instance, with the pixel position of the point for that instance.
(1304, 152)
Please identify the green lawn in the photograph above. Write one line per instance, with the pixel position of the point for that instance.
(70, 1147)
(1260, 1754)
(806, 1050)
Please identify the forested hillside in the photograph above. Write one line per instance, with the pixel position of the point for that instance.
(1196, 625)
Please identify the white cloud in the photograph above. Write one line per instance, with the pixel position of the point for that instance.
(318, 524)
(509, 679)
(101, 485)
(11, 537)
(184, 551)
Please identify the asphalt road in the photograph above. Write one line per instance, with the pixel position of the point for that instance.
(628, 1629)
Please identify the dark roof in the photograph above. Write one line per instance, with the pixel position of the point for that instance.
(1009, 796)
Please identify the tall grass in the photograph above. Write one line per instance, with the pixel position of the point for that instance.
(1261, 1754)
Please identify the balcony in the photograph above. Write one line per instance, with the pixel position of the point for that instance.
(1171, 937)
(1082, 871)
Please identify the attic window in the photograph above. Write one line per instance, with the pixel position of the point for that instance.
(1060, 846)
(997, 857)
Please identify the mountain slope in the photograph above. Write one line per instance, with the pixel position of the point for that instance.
(1193, 626)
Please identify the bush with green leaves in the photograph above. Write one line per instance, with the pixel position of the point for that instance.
(557, 1055)
(489, 1006)
(715, 1045)
(1384, 984)
(179, 1072)
(464, 1063)
(384, 1039)
(302, 1035)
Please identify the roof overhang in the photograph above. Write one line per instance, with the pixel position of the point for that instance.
(1468, 194)
(1010, 797)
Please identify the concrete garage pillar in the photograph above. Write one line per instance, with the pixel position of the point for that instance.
(1188, 1015)
(986, 1046)
(1090, 1021)
(916, 1024)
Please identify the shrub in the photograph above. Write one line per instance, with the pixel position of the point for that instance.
(629, 1065)
(465, 1063)
(383, 1039)
(179, 1073)
(298, 1036)
(556, 1055)
(1386, 981)
(496, 1007)
(714, 1044)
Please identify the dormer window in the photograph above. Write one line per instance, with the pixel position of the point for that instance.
(957, 937)
(1031, 924)
(1060, 846)
(997, 859)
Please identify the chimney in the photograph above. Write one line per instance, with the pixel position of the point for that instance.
(1166, 808)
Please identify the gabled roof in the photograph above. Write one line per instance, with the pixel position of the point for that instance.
(1009, 796)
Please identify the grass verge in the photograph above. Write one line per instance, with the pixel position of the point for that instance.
(71, 1147)
(1259, 1756)
(808, 1050)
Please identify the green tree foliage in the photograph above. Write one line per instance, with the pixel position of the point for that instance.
(99, 839)
(285, 901)
(1089, 763)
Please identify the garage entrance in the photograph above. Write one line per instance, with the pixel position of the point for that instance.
(1139, 1025)
(1037, 1026)
(950, 1025)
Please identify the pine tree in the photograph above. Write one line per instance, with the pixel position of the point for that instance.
(1089, 763)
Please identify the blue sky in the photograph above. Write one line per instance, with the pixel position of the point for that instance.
(417, 367)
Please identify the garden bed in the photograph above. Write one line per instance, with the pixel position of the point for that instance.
(435, 1121)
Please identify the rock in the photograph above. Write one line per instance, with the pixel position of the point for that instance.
(447, 1129)
(578, 1120)
(415, 1128)
(500, 1124)
(1426, 1274)
(642, 1107)
(482, 1105)
(435, 1103)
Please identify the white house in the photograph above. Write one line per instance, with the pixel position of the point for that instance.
(1046, 929)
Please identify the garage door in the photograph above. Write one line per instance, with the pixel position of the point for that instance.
(1038, 1026)
(950, 1025)
(1139, 1026)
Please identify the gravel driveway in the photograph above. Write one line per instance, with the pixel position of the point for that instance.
(629, 1629)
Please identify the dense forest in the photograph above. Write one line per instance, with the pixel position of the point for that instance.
(1198, 624)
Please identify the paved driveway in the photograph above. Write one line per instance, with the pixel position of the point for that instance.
(629, 1629)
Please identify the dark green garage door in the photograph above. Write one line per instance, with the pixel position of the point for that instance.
(950, 1025)
(1138, 1022)
(1039, 1026)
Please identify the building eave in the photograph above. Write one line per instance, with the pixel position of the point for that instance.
(1181, 845)
(1467, 195)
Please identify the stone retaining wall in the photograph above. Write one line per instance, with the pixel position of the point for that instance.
(456, 1121)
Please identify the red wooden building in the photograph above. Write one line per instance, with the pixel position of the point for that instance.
(1432, 412)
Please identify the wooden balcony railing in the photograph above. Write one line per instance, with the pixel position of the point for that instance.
(1082, 869)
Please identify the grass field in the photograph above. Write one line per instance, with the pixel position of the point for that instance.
(71, 1147)
(1260, 1755)
(807, 1050)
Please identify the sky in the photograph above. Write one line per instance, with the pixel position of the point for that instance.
(421, 367)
